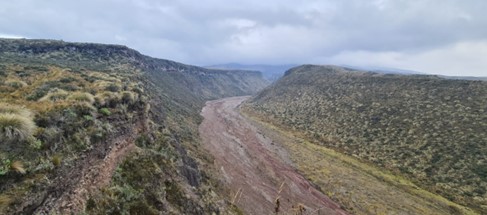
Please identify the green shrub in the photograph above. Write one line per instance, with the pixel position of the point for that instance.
(56, 160)
(4, 166)
(105, 111)
(16, 127)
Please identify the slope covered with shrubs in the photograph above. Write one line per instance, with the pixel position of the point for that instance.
(70, 111)
(429, 129)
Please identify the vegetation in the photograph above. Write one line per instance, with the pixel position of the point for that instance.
(85, 100)
(428, 129)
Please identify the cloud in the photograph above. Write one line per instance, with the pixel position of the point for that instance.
(460, 59)
(274, 31)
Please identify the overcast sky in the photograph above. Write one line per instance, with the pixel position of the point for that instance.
(433, 36)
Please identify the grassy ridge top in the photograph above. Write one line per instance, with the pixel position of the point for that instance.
(429, 129)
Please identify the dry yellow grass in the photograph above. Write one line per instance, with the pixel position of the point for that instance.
(4, 202)
(15, 127)
(17, 167)
(82, 97)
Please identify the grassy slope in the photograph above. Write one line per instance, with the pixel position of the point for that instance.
(427, 129)
(166, 99)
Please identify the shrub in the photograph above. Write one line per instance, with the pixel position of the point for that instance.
(16, 127)
(82, 97)
(105, 111)
(113, 88)
(56, 160)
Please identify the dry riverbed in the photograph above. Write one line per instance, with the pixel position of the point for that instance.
(255, 168)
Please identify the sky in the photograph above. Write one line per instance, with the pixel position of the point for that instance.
(447, 37)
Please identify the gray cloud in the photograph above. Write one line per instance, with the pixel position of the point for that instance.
(425, 35)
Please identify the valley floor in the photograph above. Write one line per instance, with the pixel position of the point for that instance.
(255, 168)
(260, 163)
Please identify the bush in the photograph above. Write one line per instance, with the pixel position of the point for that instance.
(105, 111)
(16, 127)
(113, 88)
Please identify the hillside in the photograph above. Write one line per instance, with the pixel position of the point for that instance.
(93, 128)
(429, 129)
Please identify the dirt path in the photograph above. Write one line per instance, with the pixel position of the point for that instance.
(255, 167)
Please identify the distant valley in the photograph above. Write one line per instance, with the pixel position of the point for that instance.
(270, 72)
(103, 129)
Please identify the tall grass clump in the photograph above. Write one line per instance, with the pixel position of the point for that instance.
(128, 97)
(55, 95)
(82, 97)
(16, 127)
(18, 167)
(16, 84)
(13, 109)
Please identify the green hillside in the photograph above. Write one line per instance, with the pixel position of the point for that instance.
(426, 128)
(103, 129)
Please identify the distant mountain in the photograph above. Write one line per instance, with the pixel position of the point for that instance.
(388, 70)
(384, 70)
(270, 72)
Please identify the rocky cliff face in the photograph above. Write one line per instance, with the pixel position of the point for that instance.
(105, 129)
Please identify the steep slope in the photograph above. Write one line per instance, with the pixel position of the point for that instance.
(103, 129)
(428, 129)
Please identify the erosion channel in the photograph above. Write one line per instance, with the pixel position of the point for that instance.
(256, 168)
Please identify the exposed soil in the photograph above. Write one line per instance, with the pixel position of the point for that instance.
(254, 167)
(92, 172)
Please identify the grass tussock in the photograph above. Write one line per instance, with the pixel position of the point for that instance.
(4, 201)
(55, 95)
(13, 109)
(128, 97)
(16, 127)
(16, 84)
(82, 97)
(17, 167)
